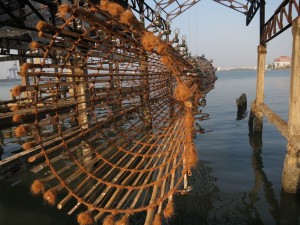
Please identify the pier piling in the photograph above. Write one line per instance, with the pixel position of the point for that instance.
(291, 169)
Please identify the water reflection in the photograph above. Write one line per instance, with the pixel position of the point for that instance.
(208, 205)
(285, 212)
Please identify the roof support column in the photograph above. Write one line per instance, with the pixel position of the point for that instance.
(291, 169)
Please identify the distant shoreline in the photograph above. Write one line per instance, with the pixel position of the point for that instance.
(9, 80)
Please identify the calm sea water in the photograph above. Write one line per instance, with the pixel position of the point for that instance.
(233, 183)
(5, 88)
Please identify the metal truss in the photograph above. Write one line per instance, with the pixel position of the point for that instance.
(281, 20)
(139, 6)
(254, 6)
(238, 5)
(172, 8)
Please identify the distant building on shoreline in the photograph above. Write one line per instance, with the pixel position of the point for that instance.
(282, 62)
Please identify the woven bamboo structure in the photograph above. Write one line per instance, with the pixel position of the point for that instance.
(124, 142)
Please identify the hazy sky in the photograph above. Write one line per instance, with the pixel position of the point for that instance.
(222, 35)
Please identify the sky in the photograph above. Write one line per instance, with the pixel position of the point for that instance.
(222, 35)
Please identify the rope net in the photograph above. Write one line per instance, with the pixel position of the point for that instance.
(114, 109)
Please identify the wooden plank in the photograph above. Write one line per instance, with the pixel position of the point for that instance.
(274, 119)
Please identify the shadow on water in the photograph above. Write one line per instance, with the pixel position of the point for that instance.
(18, 206)
(208, 205)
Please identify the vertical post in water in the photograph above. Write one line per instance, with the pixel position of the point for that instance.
(256, 116)
(82, 104)
(291, 169)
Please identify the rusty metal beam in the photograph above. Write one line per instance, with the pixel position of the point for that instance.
(255, 4)
(238, 5)
(281, 20)
(172, 8)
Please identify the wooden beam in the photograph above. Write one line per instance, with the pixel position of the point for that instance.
(274, 119)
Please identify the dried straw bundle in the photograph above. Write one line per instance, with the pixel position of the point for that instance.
(15, 108)
(104, 5)
(192, 155)
(17, 118)
(115, 9)
(37, 187)
(109, 220)
(169, 210)
(28, 145)
(128, 18)
(170, 64)
(189, 122)
(182, 92)
(17, 90)
(85, 218)
(34, 45)
(22, 130)
(63, 10)
(25, 66)
(161, 48)
(41, 34)
(41, 25)
(149, 41)
(50, 196)
(157, 219)
(112, 8)
(123, 221)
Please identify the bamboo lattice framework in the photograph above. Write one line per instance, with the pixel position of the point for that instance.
(121, 103)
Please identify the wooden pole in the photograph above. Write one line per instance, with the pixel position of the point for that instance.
(291, 169)
(256, 116)
(260, 83)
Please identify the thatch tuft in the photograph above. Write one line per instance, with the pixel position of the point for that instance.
(17, 90)
(63, 10)
(170, 64)
(50, 196)
(157, 219)
(15, 108)
(109, 220)
(85, 218)
(192, 155)
(104, 5)
(28, 145)
(24, 68)
(182, 92)
(34, 45)
(189, 121)
(22, 130)
(161, 48)
(123, 221)
(128, 18)
(41, 34)
(115, 9)
(169, 210)
(149, 41)
(41, 25)
(37, 187)
(17, 118)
